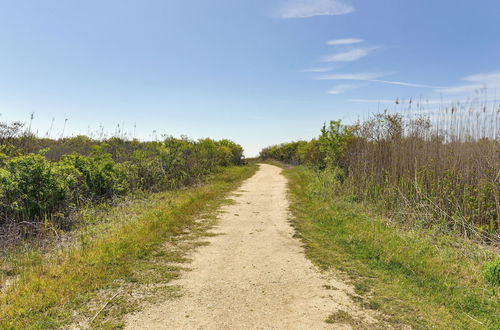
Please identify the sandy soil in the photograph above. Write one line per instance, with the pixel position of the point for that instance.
(255, 275)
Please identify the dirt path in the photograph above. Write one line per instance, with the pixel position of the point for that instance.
(255, 275)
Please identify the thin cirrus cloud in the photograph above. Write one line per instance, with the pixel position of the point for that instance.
(311, 8)
(488, 81)
(348, 56)
(350, 76)
(402, 83)
(371, 101)
(340, 42)
(318, 70)
(371, 77)
(339, 89)
(431, 104)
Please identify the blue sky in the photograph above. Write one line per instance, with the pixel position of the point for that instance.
(258, 72)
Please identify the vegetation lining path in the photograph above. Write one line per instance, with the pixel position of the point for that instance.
(421, 278)
(122, 253)
(255, 275)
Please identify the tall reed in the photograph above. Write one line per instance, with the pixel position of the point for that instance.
(425, 166)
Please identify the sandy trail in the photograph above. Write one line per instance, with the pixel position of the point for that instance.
(255, 275)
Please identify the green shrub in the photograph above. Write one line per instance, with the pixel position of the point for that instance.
(145, 171)
(41, 177)
(285, 152)
(309, 153)
(232, 153)
(30, 188)
(333, 142)
(96, 177)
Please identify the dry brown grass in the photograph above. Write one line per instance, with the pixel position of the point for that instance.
(431, 168)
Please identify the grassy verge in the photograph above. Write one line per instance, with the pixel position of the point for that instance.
(423, 279)
(50, 290)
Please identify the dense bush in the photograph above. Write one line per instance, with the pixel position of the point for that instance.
(43, 179)
(285, 152)
(326, 151)
(30, 186)
(95, 177)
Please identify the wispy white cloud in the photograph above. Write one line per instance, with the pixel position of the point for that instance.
(384, 101)
(310, 8)
(487, 78)
(460, 90)
(338, 42)
(432, 101)
(474, 83)
(402, 83)
(371, 77)
(348, 56)
(350, 76)
(339, 89)
(318, 70)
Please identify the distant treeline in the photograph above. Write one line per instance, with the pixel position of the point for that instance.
(43, 180)
(418, 172)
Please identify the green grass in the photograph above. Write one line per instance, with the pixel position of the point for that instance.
(420, 278)
(51, 289)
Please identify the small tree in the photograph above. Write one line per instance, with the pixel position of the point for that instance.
(333, 142)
